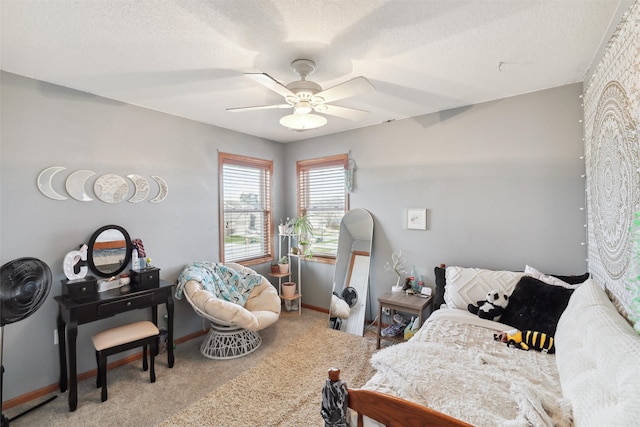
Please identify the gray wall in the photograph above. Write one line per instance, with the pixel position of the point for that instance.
(501, 182)
(45, 125)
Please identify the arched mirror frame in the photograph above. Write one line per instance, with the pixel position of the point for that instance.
(347, 257)
(90, 251)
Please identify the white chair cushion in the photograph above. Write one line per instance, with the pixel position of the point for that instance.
(598, 357)
(261, 309)
(124, 334)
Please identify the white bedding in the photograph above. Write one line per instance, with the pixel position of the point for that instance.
(453, 365)
(598, 356)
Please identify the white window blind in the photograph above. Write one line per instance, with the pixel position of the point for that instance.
(322, 196)
(245, 200)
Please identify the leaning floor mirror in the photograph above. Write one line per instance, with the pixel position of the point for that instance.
(351, 276)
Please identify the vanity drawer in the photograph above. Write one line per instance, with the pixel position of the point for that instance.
(80, 289)
(145, 278)
(138, 301)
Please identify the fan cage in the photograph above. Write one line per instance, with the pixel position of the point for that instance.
(350, 296)
(26, 282)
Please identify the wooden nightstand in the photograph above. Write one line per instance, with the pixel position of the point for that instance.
(399, 301)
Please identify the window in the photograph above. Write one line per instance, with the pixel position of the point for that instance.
(323, 198)
(245, 209)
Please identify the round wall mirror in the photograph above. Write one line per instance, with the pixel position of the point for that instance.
(109, 251)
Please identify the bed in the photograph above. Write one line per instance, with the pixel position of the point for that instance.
(454, 369)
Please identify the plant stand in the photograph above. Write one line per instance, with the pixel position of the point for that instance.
(289, 302)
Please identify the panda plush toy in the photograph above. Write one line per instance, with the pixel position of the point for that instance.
(492, 307)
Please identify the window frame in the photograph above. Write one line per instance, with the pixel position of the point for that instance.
(264, 166)
(303, 166)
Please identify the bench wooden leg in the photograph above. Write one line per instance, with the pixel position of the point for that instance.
(145, 365)
(152, 373)
(98, 365)
(102, 374)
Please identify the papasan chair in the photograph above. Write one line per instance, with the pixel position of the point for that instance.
(237, 301)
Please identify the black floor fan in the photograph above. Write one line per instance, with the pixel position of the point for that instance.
(25, 284)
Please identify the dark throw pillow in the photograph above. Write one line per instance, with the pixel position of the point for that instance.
(441, 281)
(536, 306)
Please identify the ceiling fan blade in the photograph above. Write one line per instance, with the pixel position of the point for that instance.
(353, 87)
(260, 107)
(345, 112)
(270, 83)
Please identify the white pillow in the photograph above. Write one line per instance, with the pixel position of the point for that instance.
(549, 280)
(469, 285)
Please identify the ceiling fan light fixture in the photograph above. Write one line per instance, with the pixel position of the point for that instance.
(303, 121)
(306, 97)
(303, 107)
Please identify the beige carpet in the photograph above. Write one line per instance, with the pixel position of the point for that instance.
(135, 402)
(284, 390)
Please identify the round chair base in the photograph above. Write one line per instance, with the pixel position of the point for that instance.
(229, 342)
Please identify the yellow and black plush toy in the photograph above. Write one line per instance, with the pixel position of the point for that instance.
(526, 340)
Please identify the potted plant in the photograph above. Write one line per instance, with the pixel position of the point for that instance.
(289, 289)
(285, 228)
(302, 227)
(275, 269)
(304, 230)
(283, 265)
(288, 226)
(303, 245)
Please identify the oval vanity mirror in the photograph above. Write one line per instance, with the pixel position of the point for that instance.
(351, 276)
(109, 251)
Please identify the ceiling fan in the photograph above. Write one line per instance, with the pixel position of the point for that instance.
(305, 97)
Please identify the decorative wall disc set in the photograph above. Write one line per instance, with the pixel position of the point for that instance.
(109, 188)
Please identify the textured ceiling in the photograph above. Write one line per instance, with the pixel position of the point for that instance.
(187, 57)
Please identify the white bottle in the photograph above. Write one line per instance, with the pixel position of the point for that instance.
(135, 266)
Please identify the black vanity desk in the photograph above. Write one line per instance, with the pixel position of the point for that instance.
(105, 304)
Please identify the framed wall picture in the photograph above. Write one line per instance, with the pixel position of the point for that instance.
(416, 218)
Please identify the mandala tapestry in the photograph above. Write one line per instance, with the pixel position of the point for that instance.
(612, 153)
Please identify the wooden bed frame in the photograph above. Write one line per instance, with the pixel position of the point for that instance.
(389, 410)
